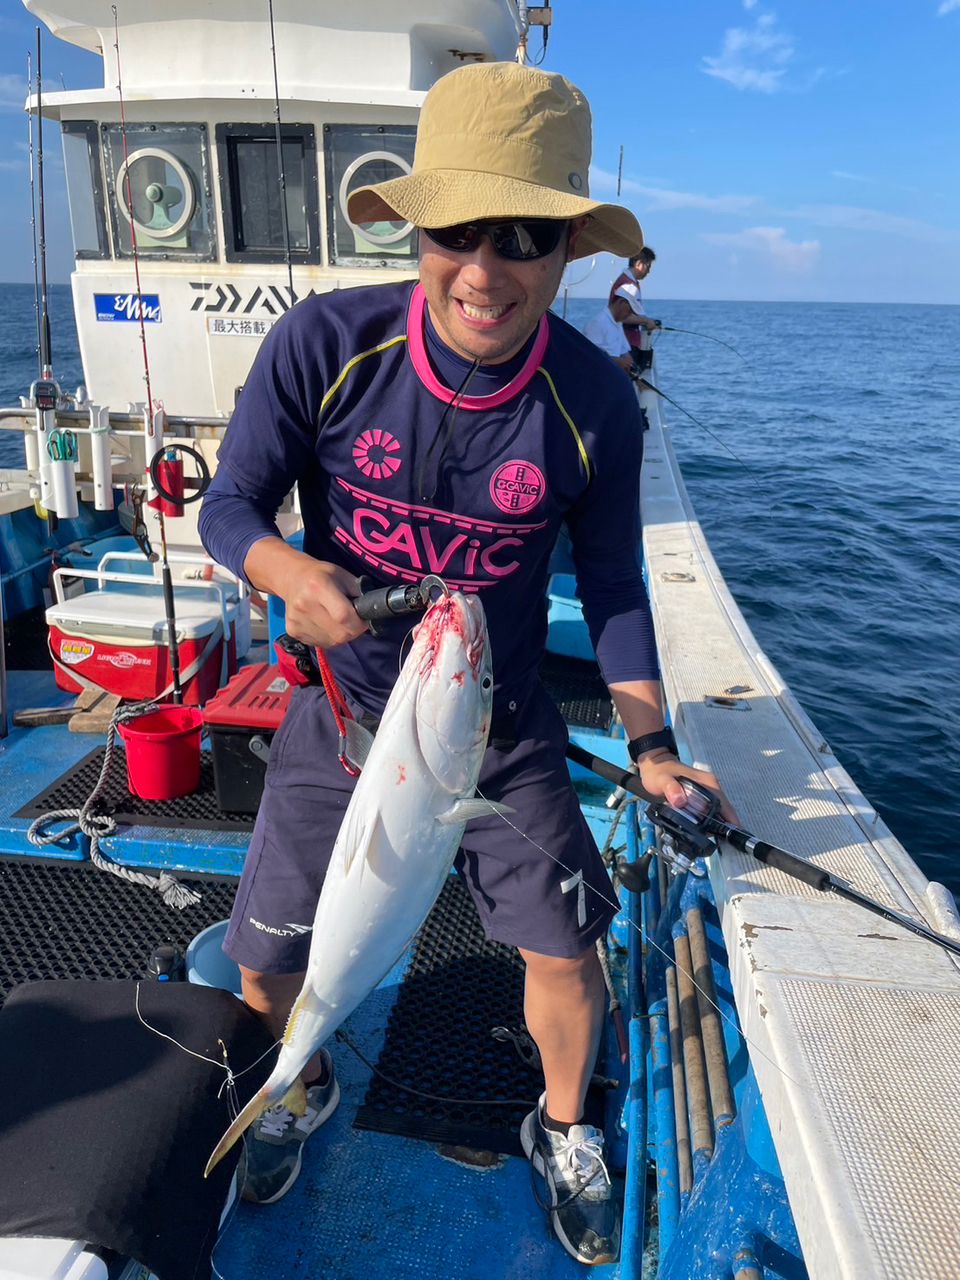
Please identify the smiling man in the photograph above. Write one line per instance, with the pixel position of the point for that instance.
(453, 426)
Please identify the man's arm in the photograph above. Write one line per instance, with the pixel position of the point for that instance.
(269, 444)
(624, 314)
(318, 595)
(639, 704)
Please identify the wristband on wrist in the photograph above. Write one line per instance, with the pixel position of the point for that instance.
(638, 747)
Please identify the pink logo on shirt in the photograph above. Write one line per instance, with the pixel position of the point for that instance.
(517, 486)
(376, 453)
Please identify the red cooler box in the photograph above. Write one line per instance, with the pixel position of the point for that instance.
(117, 641)
(241, 721)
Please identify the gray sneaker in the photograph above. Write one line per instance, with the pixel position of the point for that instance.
(580, 1201)
(273, 1146)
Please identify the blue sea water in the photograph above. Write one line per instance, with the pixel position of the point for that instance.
(835, 523)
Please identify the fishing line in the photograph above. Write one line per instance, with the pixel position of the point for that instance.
(731, 1022)
(194, 1053)
(344, 1038)
(284, 220)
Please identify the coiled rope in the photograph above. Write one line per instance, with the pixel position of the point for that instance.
(98, 826)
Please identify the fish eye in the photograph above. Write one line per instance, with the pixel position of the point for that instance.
(486, 683)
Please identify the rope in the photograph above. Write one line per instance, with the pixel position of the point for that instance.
(98, 826)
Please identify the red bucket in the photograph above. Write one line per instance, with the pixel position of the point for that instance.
(163, 752)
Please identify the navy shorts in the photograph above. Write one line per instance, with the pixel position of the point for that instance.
(524, 897)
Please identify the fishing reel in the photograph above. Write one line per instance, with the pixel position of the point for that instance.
(377, 604)
(685, 832)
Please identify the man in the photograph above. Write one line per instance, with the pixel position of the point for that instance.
(605, 330)
(636, 323)
(452, 426)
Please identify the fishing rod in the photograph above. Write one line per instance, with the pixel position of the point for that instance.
(697, 827)
(45, 394)
(649, 386)
(669, 328)
(173, 643)
(284, 220)
(46, 354)
(33, 221)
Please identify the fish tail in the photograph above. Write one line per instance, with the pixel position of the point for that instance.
(252, 1111)
(294, 1099)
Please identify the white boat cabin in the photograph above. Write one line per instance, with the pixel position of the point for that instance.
(197, 163)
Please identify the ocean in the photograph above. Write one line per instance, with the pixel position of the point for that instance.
(826, 475)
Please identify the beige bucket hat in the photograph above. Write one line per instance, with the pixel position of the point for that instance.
(497, 140)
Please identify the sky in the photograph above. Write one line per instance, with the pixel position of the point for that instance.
(798, 150)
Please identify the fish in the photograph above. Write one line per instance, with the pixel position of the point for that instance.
(398, 839)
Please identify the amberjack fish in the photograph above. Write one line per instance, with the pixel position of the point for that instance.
(398, 838)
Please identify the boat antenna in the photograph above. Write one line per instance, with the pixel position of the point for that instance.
(166, 578)
(620, 171)
(33, 217)
(46, 356)
(284, 221)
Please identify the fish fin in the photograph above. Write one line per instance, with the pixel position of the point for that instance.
(359, 742)
(252, 1111)
(468, 807)
(363, 843)
(295, 1099)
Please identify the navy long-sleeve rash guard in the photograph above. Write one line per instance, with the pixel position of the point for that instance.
(351, 398)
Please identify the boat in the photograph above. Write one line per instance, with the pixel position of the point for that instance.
(779, 1101)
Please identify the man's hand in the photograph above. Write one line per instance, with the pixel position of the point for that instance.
(660, 773)
(319, 596)
(647, 323)
(320, 606)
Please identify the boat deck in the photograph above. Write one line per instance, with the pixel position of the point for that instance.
(364, 1200)
(853, 1023)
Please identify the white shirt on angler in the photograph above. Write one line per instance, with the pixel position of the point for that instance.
(604, 332)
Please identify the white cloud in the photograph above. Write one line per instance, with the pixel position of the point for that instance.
(854, 177)
(754, 58)
(750, 4)
(13, 92)
(948, 6)
(658, 198)
(792, 255)
(854, 218)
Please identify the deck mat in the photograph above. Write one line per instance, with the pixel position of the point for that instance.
(578, 690)
(456, 989)
(74, 922)
(200, 810)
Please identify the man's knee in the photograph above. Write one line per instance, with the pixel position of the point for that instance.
(580, 968)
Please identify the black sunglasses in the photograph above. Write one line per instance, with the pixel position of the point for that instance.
(518, 240)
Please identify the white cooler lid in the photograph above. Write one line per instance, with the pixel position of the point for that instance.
(46, 1258)
(138, 616)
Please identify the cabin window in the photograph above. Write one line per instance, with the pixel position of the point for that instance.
(356, 156)
(81, 162)
(163, 172)
(250, 191)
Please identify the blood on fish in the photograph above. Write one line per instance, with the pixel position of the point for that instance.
(457, 678)
(401, 773)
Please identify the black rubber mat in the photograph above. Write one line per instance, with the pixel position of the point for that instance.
(59, 921)
(457, 989)
(578, 690)
(71, 789)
